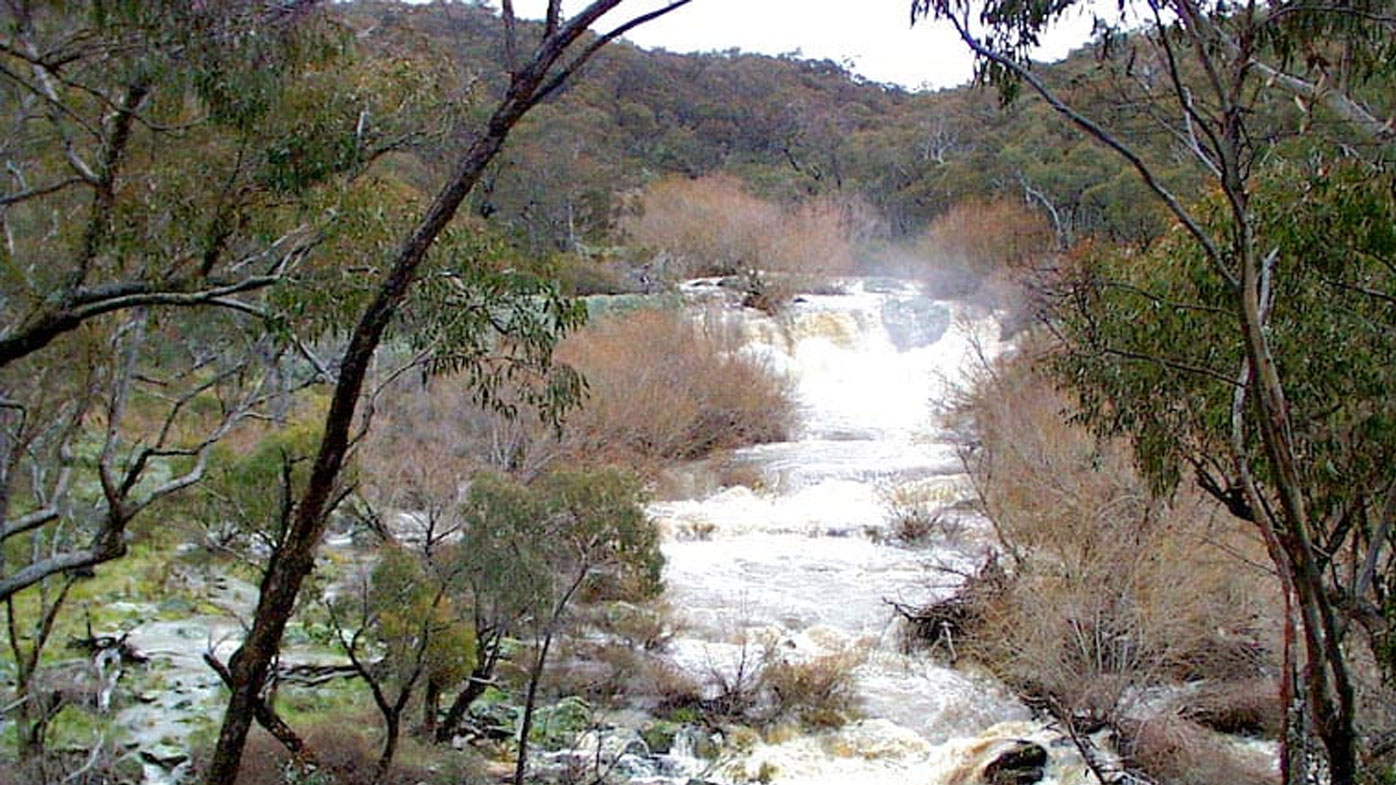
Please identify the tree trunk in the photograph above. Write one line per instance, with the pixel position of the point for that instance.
(390, 736)
(1331, 697)
(487, 657)
(431, 705)
(293, 561)
(535, 676)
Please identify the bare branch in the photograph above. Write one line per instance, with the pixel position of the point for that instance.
(1099, 133)
(34, 193)
(577, 62)
(41, 330)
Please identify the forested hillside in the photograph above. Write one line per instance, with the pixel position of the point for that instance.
(789, 129)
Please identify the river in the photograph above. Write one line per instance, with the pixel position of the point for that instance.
(794, 555)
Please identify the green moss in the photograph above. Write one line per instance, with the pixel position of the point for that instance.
(322, 704)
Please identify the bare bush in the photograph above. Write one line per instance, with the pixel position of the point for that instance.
(1248, 707)
(661, 386)
(1170, 749)
(761, 683)
(916, 512)
(665, 387)
(714, 226)
(344, 757)
(820, 693)
(1109, 591)
(977, 241)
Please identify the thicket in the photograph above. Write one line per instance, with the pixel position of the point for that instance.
(1105, 596)
(756, 684)
(663, 386)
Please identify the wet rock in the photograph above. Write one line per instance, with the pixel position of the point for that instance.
(913, 323)
(612, 745)
(660, 736)
(1021, 764)
(165, 756)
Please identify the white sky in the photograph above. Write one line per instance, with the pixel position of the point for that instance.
(873, 38)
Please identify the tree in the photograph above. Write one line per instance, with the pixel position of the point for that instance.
(561, 49)
(1214, 75)
(528, 552)
(405, 631)
(163, 194)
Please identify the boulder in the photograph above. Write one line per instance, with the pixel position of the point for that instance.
(1021, 764)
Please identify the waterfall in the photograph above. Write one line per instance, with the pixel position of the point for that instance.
(791, 551)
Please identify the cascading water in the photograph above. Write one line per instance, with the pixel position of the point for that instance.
(791, 556)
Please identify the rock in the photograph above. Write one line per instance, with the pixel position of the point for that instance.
(913, 323)
(165, 756)
(1021, 764)
(614, 744)
(660, 736)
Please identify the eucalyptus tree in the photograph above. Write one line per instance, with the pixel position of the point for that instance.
(400, 629)
(1218, 77)
(562, 46)
(529, 552)
(170, 171)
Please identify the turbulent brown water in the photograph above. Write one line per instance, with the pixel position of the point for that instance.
(790, 555)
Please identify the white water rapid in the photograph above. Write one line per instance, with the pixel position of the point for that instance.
(786, 556)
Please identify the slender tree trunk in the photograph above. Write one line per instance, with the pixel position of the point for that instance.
(393, 721)
(293, 561)
(1330, 693)
(474, 688)
(431, 705)
(535, 676)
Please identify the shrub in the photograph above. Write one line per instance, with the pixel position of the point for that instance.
(1168, 748)
(1249, 707)
(759, 684)
(978, 240)
(664, 387)
(820, 693)
(344, 757)
(916, 512)
(1108, 591)
(714, 226)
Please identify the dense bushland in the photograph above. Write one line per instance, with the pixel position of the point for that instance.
(1106, 594)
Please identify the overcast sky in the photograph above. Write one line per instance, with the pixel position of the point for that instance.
(873, 38)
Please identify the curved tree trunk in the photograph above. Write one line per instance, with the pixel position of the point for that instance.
(293, 561)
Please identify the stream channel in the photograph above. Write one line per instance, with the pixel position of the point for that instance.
(794, 555)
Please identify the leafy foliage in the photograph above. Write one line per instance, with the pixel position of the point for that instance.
(1156, 354)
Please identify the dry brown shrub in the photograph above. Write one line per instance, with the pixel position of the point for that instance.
(663, 386)
(1249, 707)
(1111, 589)
(977, 240)
(612, 674)
(1171, 749)
(821, 693)
(344, 756)
(714, 226)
